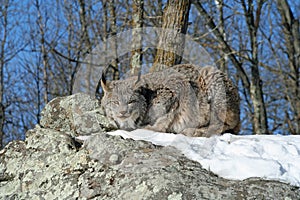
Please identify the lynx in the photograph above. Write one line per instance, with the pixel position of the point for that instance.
(182, 99)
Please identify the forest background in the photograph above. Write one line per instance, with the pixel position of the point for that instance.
(45, 43)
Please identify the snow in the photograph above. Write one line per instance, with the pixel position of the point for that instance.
(271, 157)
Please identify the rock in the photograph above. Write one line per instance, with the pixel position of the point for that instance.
(51, 164)
(78, 114)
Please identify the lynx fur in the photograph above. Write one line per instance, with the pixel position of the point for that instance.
(183, 99)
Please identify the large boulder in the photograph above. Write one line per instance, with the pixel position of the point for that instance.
(78, 114)
(52, 164)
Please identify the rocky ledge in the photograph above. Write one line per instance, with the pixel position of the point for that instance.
(52, 164)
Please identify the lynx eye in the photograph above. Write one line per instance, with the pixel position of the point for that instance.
(132, 101)
(115, 102)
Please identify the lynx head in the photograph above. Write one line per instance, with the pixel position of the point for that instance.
(123, 103)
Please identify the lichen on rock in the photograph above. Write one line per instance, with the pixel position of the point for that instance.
(78, 114)
(52, 164)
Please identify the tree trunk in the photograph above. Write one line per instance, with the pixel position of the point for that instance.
(113, 25)
(85, 46)
(84, 26)
(41, 26)
(2, 108)
(171, 41)
(71, 70)
(260, 125)
(137, 24)
(224, 59)
(2, 63)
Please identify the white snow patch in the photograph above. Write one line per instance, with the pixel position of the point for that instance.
(272, 157)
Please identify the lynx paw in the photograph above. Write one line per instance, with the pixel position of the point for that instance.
(154, 128)
(190, 132)
(194, 132)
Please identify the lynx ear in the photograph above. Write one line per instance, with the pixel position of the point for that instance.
(104, 83)
(104, 86)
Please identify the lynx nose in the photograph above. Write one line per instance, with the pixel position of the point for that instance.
(123, 113)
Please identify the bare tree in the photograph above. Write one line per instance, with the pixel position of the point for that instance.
(291, 31)
(41, 28)
(252, 16)
(252, 82)
(10, 46)
(4, 33)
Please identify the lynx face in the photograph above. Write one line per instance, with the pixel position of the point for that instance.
(124, 105)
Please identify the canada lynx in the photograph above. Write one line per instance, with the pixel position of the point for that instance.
(183, 99)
